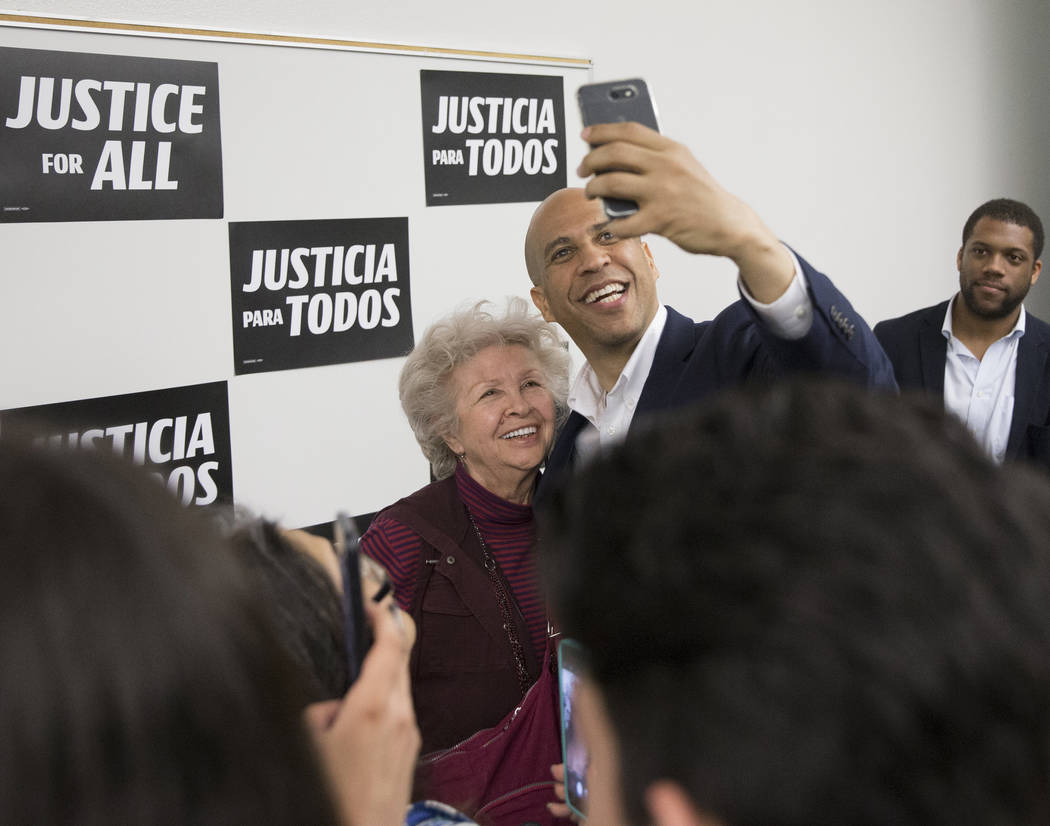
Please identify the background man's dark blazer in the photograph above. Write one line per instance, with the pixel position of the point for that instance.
(918, 350)
(693, 360)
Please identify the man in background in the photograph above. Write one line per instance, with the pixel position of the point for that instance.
(981, 352)
(807, 604)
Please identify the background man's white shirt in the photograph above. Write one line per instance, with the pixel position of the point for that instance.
(980, 392)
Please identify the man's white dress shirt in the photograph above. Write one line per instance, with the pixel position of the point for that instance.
(980, 392)
(610, 414)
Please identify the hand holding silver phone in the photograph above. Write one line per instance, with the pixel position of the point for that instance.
(615, 102)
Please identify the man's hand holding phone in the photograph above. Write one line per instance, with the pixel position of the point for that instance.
(679, 199)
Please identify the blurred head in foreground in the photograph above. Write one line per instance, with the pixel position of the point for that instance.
(808, 605)
(138, 676)
(296, 575)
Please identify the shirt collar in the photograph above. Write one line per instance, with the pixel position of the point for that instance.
(586, 396)
(486, 505)
(949, 333)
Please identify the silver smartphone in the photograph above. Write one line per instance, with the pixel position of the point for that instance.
(614, 102)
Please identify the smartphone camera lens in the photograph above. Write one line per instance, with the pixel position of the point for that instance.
(621, 92)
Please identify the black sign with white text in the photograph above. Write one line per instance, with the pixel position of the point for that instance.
(492, 138)
(91, 137)
(181, 434)
(308, 293)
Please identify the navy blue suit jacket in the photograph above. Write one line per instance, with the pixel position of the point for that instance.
(918, 350)
(694, 360)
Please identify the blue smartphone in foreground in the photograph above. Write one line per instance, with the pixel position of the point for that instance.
(571, 665)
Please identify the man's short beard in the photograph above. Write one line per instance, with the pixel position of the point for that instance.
(1010, 303)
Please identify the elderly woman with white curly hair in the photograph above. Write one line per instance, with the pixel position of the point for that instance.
(484, 395)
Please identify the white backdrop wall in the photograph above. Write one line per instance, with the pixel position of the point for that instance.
(863, 132)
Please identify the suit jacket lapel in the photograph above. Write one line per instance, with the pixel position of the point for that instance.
(563, 454)
(676, 343)
(1031, 364)
(933, 351)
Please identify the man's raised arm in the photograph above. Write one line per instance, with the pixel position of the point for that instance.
(680, 200)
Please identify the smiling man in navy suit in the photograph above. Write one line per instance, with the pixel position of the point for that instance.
(596, 278)
(981, 352)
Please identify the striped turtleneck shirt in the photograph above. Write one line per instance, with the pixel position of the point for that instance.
(508, 531)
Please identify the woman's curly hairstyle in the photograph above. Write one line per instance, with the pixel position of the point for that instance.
(427, 393)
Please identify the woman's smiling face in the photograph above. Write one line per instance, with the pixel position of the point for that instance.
(506, 418)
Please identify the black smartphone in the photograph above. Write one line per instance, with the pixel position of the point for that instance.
(613, 102)
(571, 665)
(357, 631)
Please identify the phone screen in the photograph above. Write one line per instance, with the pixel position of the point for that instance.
(574, 752)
